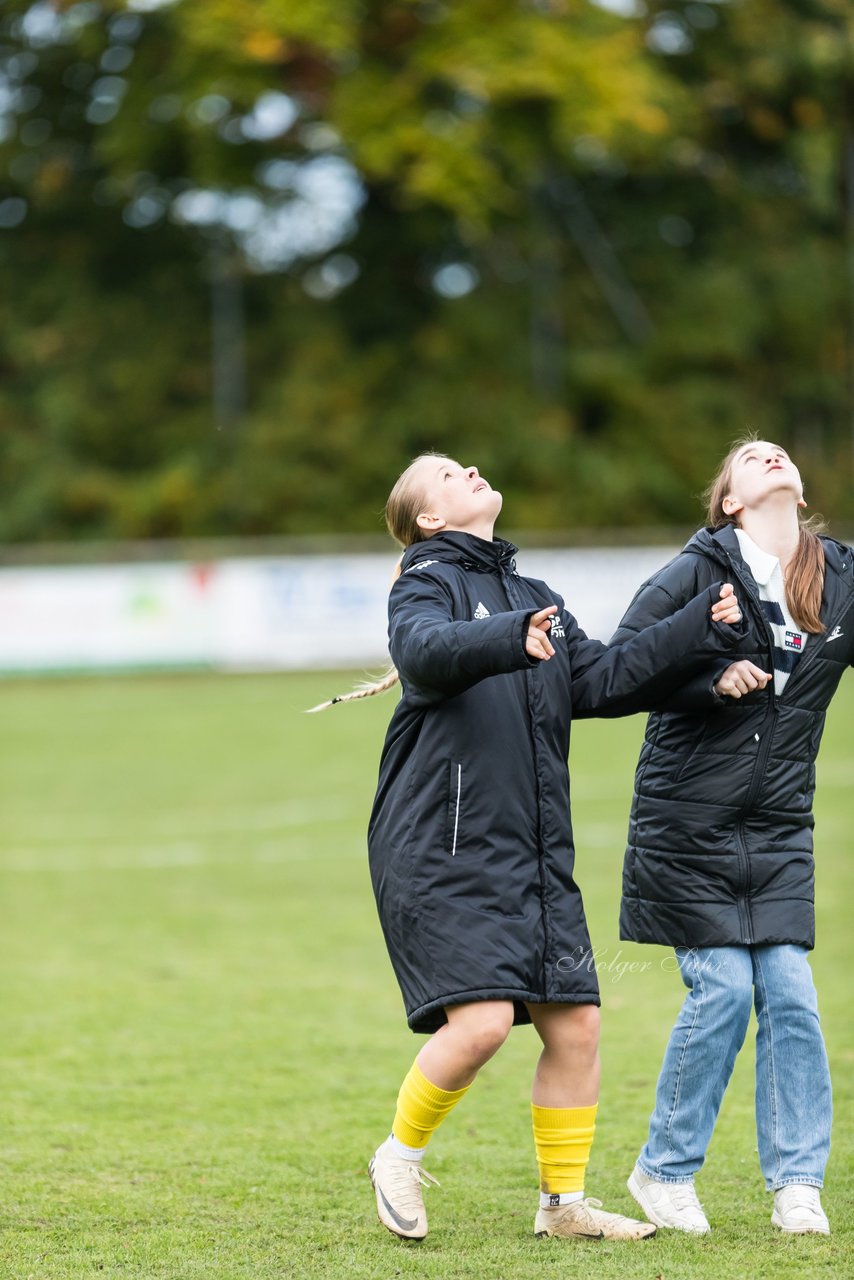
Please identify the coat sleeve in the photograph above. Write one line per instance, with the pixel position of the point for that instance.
(645, 668)
(438, 657)
(652, 603)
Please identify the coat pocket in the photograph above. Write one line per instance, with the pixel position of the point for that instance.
(455, 797)
(693, 756)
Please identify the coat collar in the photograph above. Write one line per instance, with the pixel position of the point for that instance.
(464, 549)
(721, 544)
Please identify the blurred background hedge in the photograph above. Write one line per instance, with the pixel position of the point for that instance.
(256, 255)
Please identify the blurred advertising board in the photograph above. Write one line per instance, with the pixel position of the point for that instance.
(261, 613)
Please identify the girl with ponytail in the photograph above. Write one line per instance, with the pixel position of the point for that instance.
(470, 841)
(720, 858)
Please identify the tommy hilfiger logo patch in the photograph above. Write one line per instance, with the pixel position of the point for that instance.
(794, 640)
(836, 634)
(481, 611)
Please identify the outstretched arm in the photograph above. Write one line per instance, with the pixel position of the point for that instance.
(707, 689)
(641, 670)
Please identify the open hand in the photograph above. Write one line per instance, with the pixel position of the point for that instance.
(537, 642)
(726, 609)
(740, 678)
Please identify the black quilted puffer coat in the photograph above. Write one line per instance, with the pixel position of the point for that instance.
(720, 849)
(470, 840)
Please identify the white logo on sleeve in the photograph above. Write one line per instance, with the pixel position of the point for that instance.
(481, 611)
(836, 634)
(556, 631)
(422, 564)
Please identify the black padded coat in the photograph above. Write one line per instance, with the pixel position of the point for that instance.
(720, 848)
(470, 842)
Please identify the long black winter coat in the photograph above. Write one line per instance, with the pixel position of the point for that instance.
(720, 848)
(470, 840)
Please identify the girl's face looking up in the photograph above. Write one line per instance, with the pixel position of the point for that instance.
(758, 472)
(455, 497)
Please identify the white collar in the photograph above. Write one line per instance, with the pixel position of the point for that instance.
(762, 563)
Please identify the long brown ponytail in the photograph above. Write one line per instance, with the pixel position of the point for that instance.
(805, 574)
(401, 515)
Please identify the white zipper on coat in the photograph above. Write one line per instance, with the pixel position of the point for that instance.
(457, 812)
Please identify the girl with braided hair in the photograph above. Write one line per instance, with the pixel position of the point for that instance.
(470, 840)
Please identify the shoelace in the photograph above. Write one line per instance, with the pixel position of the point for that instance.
(803, 1198)
(404, 1173)
(582, 1210)
(683, 1196)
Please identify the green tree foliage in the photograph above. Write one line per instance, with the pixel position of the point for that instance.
(257, 254)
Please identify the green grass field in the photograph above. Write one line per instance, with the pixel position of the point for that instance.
(202, 1039)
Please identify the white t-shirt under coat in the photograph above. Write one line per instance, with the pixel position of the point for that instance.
(789, 640)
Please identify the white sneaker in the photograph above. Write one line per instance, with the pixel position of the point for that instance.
(400, 1200)
(668, 1204)
(798, 1211)
(587, 1220)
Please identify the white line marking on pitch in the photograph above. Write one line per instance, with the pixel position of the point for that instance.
(164, 855)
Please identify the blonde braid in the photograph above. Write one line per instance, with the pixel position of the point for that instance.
(367, 688)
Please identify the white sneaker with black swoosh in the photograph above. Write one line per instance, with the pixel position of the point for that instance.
(587, 1220)
(400, 1200)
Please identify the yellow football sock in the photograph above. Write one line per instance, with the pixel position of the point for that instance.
(563, 1137)
(421, 1108)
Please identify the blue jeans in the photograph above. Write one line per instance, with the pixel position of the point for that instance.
(793, 1099)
